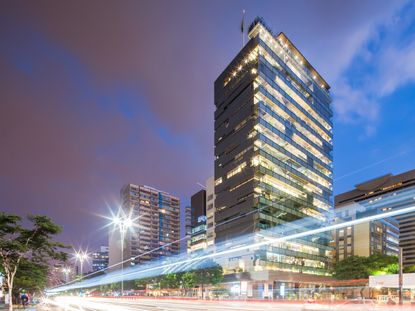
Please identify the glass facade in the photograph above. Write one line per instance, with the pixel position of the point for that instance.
(273, 145)
(100, 259)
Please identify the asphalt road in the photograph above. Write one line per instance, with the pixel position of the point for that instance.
(143, 304)
(94, 304)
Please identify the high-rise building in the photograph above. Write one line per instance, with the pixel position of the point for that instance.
(198, 221)
(198, 208)
(384, 236)
(273, 145)
(210, 211)
(202, 212)
(100, 259)
(156, 225)
(188, 228)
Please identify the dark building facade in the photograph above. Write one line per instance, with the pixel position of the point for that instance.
(273, 144)
(198, 221)
(383, 193)
(198, 207)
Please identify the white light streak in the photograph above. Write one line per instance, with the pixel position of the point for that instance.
(140, 270)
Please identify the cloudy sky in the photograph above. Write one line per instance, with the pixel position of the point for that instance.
(95, 94)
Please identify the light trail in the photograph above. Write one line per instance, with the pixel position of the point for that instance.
(289, 237)
(74, 303)
(160, 266)
(166, 304)
(157, 248)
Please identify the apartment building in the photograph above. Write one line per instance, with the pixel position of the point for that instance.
(156, 225)
(384, 193)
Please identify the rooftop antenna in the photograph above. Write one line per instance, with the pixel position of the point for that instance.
(242, 28)
(200, 185)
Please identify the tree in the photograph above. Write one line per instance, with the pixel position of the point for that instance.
(382, 264)
(31, 276)
(353, 267)
(357, 267)
(188, 280)
(392, 268)
(204, 273)
(208, 273)
(409, 269)
(170, 280)
(19, 245)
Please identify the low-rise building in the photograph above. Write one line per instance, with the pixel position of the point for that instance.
(384, 236)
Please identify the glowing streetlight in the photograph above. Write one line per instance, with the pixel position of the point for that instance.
(122, 223)
(81, 257)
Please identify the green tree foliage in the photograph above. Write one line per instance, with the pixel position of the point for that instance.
(409, 269)
(382, 264)
(170, 280)
(392, 268)
(31, 276)
(212, 275)
(353, 267)
(357, 267)
(206, 273)
(19, 246)
(188, 280)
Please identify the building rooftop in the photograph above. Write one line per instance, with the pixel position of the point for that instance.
(283, 39)
(377, 186)
(149, 188)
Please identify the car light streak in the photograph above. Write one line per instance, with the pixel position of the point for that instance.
(139, 271)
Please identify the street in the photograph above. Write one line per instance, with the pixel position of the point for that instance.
(148, 304)
(144, 304)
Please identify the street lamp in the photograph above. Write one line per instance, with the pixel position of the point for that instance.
(123, 223)
(66, 273)
(81, 257)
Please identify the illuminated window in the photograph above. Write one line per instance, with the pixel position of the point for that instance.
(236, 170)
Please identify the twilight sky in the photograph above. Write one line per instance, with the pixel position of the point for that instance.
(95, 94)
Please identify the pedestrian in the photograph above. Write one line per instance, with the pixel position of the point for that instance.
(24, 299)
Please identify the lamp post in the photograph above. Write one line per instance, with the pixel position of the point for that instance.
(123, 223)
(81, 257)
(66, 273)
